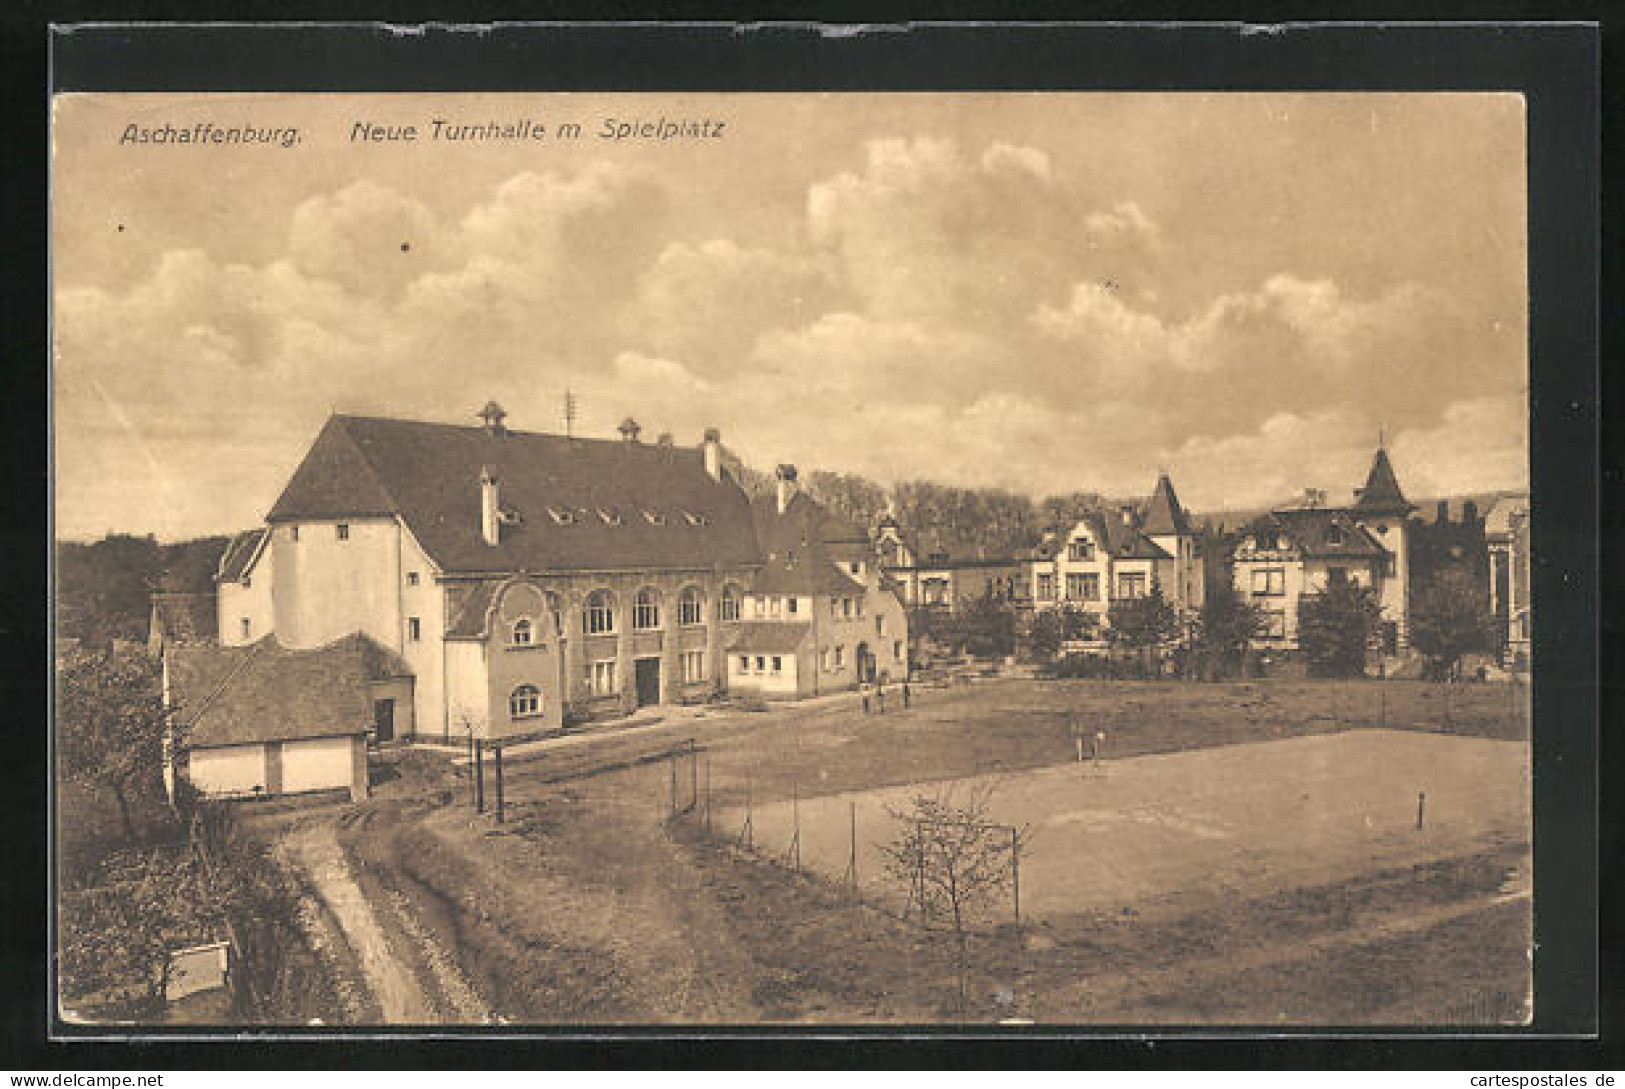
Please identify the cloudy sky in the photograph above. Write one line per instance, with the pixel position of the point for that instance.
(1039, 292)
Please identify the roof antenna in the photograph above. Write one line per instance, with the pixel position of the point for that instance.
(1382, 436)
(569, 413)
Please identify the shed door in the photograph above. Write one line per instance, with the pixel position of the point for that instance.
(383, 717)
(321, 763)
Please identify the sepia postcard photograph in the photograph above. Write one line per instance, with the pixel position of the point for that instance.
(995, 559)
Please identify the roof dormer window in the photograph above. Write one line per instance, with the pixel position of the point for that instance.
(654, 518)
(694, 519)
(608, 517)
(561, 516)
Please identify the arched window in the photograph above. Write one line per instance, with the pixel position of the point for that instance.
(691, 607)
(522, 632)
(599, 617)
(525, 701)
(730, 602)
(646, 610)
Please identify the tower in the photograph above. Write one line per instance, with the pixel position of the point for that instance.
(1382, 509)
(1169, 528)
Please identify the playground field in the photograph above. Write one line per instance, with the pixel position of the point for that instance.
(1160, 834)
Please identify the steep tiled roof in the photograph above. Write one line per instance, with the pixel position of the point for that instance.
(582, 504)
(801, 548)
(960, 551)
(239, 553)
(1381, 494)
(1123, 540)
(769, 637)
(266, 692)
(1165, 515)
(467, 607)
(1321, 533)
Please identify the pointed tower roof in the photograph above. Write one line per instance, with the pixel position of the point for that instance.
(1165, 516)
(1381, 494)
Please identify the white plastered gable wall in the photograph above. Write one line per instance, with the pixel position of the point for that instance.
(427, 654)
(249, 598)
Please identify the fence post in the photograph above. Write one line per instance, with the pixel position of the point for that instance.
(707, 817)
(852, 856)
(479, 776)
(1421, 806)
(671, 810)
(795, 821)
(693, 775)
(499, 784)
(1015, 870)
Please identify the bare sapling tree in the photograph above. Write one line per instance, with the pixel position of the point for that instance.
(954, 859)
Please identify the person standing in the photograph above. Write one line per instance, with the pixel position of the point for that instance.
(863, 689)
(880, 697)
(906, 694)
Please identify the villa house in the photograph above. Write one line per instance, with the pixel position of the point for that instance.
(936, 570)
(820, 615)
(1126, 553)
(1294, 552)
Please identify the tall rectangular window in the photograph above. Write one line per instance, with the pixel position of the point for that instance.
(343, 531)
(693, 663)
(247, 627)
(1046, 586)
(778, 663)
(1269, 581)
(601, 678)
(293, 533)
(414, 628)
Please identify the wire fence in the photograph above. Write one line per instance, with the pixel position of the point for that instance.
(915, 860)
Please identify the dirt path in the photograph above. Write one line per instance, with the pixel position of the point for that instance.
(401, 1000)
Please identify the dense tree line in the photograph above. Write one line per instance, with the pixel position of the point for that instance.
(104, 588)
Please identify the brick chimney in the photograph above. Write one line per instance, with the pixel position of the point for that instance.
(712, 449)
(786, 486)
(490, 507)
(1443, 518)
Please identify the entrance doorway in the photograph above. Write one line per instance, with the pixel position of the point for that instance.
(866, 663)
(646, 673)
(383, 718)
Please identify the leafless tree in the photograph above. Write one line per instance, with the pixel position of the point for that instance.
(954, 859)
